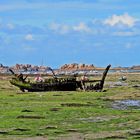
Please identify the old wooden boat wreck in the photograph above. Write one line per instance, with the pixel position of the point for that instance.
(57, 83)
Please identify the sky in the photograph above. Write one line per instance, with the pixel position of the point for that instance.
(56, 32)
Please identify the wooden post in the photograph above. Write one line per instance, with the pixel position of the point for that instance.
(99, 86)
(104, 76)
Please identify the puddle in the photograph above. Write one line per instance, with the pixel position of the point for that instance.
(126, 104)
(51, 127)
(30, 117)
(26, 110)
(98, 118)
(55, 109)
(72, 130)
(21, 129)
(76, 105)
(135, 132)
(57, 95)
(3, 132)
(109, 135)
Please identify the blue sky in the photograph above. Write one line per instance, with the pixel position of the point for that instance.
(55, 32)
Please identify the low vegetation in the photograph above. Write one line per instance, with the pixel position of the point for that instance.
(70, 115)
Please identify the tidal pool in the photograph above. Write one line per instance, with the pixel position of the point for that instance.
(126, 104)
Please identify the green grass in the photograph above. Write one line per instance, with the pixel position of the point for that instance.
(88, 113)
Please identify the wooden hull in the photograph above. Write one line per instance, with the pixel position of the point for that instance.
(58, 84)
(42, 86)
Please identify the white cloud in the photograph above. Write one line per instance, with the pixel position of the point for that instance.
(82, 27)
(54, 26)
(10, 26)
(124, 19)
(64, 29)
(29, 37)
(61, 28)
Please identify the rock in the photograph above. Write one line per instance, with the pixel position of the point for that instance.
(120, 84)
(75, 66)
(123, 78)
(136, 86)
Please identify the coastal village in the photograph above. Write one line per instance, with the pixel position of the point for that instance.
(65, 69)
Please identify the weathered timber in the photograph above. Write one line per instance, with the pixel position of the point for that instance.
(101, 83)
(57, 83)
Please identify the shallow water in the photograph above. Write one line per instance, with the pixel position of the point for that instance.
(126, 104)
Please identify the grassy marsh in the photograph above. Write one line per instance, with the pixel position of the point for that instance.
(69, 115)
